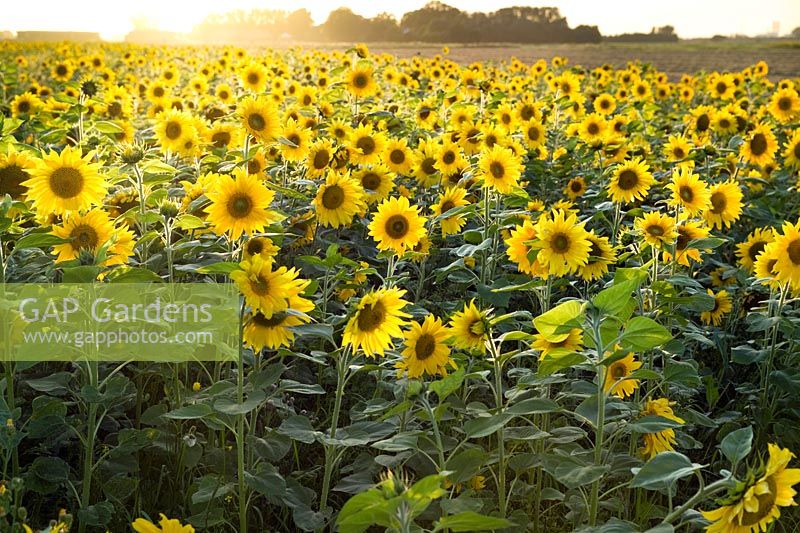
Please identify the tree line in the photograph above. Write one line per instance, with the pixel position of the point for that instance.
(435, 23)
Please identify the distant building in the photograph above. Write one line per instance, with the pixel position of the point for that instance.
(6, 35)
(58, 36)
(149, 36)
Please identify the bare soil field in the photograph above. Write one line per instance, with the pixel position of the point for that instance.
(675, 59)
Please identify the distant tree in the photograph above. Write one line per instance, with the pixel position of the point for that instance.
(796, 33)
(300, 25)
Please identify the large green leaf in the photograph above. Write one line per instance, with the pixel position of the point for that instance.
(663, 470)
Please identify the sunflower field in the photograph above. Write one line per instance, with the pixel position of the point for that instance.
(484, 297)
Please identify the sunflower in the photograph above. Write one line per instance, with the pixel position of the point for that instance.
(298, 139)
(275, 332)
(765, 267)
(366, 145)
(254, 77)
(397, 156)
(500, 168)
(521, 251)
(376, 181)
(660, 441)
(601, 255)
(791, 153)
(758, 504)
(65, 182)
(86, 232)
(726, 204)
(449, 159)
(722, 306)
(630, 181)
(259, 117)
(425, 350)
(562, 243)
(533, 133)
(469, 328)
(173, 128)
(687, 232)
(760, 146)
(689, 191)
(264, 289)
(592, 129)
(450, 199)
(240, 204)
(261, 246)
(749, 250)
(360, 80)
(397, 225)
(575, 188)
(319, 158)
(378, 319)
(25, 104)
(677, 148)
(724, 122)
(168, 525)
(784, 105)
(605, 104)
(424, 168)
(657, 229)
(616, 374)
(700, 119)
(572, 342)
(15, 168)
(786, 250)
(338, 200)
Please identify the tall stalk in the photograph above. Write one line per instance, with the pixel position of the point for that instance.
(601, 419)
(331, 450)
(88, 453)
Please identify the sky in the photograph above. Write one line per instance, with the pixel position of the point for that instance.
(691, 18)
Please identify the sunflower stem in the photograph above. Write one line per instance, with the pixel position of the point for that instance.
(501, 447)
(242, 493)
(601, 416)
(342, 366)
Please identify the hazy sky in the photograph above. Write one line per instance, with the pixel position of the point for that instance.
(691, 18)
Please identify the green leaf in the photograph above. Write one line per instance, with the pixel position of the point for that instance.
(662, 471)
(471, 521)
(38, 240)
(110, 128)
(219, 268)
(134, 275)
(559, 359)
(613, 300)
(156, 166)
(644, 333)
(556, 324)
(321, 331)
(533, 406)
(80, 274)
(447, 385)
(737, 444)
(190, 412)
(299, 428)
(481, 427)
(652, 424)
(230, 407)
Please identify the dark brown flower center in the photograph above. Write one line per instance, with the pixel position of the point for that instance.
(718, 203)
(397, 156)
(274, 321)
(426, 345)
(755, 249)
(173, 130)
(321, 159)
(448, 157)
(784, 103)
(703, 122)
(371, 317)
(560, 243)
(221, 139)
(254, 246)
(628, 179)
(758, 144)
(686, 193)
(428, 166)
(497, 170)
(447, 205)
(397, 226)
(371, 181)
(333, 197)
(593, 128)
(11, 177)
(366, 145)
(794, 251)
(253, 78)
(360, 80)
(84, 237)
(239, 205)
(260, 285)
(256, 121)
(66, 182)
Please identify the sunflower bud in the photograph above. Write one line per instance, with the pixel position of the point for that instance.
(131, 154)
(168, 209)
